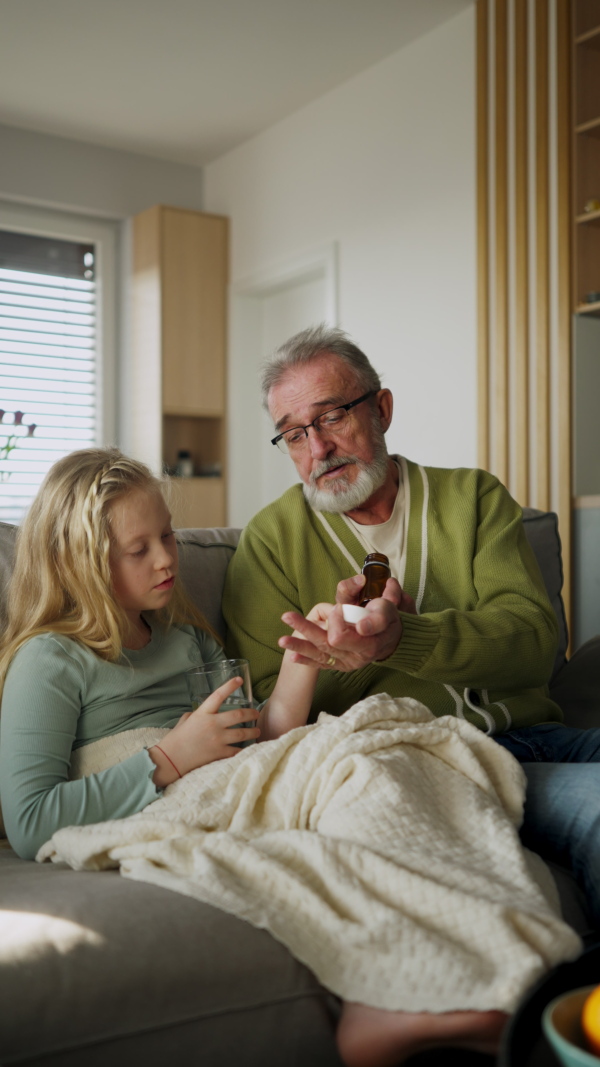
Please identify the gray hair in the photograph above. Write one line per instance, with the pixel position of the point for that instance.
(306, 346)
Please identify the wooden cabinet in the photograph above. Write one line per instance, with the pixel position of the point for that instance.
(178, 366)
(586, 185)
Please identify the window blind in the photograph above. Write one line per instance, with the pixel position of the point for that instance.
(48, 372)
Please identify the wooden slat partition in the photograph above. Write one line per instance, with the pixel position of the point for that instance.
(521, 252)
(483, 240)
(542, 318)
(523, 162)
(563, 121)
(501, 218)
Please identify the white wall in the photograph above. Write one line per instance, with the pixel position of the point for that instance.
(60, 173)
(385, 167)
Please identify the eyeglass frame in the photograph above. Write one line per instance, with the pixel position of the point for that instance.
(346, 407)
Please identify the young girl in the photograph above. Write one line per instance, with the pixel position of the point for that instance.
(99, 639)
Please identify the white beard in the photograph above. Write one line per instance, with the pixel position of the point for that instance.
(343, 495)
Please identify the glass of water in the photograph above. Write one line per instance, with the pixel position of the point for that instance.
(202, 681)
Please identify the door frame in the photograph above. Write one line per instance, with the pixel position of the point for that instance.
(245, 417)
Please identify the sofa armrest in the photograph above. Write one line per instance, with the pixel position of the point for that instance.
(576, 687)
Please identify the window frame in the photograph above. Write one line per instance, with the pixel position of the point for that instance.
(104, 235)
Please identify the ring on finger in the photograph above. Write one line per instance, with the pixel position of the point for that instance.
(330, 662)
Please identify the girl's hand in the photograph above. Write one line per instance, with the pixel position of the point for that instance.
(202, 736)
(319, 615)
(301, 646)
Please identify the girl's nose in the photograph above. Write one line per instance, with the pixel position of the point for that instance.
(165, 558)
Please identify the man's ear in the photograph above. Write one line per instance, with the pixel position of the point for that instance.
(385, 403)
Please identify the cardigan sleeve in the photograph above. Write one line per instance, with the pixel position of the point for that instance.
(509, 630)
(41, 704)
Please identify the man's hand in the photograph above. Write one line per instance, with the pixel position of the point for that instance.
(349, 592)
(343, 646)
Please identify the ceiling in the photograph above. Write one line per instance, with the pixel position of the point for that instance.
(187, 80)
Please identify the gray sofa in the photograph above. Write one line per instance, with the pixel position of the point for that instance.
(98, 969)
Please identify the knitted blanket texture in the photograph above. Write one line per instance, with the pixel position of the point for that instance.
(380, 847)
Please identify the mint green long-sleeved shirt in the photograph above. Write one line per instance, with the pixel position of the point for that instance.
(58, 696)
(483, 644)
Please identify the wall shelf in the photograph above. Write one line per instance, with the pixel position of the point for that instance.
(590, 128)
(179, 357)
(588, 309)
(583, 502)
(591, 218)
(590, 39)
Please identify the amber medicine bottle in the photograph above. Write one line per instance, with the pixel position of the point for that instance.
(376, 570)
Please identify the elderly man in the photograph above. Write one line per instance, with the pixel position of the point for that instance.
(464, 624)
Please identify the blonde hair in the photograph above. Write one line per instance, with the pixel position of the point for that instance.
(61, 580)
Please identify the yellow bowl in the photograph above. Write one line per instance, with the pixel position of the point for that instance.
(561, 1022)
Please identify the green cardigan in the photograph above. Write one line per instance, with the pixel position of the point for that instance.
(483, 644)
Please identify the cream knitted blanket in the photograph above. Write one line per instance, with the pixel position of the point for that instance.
(380, 847)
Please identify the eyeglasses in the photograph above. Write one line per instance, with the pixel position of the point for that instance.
(334, 422)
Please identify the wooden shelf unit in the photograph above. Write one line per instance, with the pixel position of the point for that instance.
(590, 39)
(589, 218)
(179, 354)
(586, 153)
(589, 309)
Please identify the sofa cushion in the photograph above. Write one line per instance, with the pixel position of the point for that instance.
(541, 529)
(576, 688)
(101, 962)
(203, 558)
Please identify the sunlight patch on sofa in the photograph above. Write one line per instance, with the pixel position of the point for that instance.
(28, 935)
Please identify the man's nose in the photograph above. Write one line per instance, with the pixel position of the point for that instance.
(318, 442)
